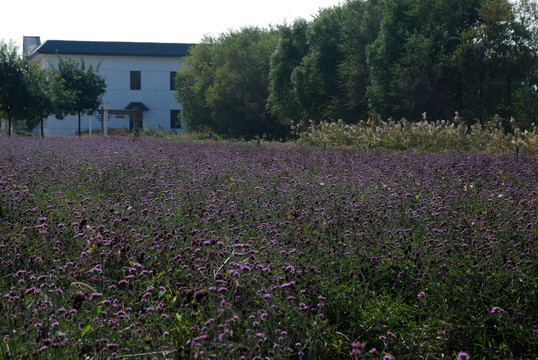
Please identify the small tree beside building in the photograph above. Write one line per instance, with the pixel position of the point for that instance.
(31, 93)
(40, 102)
(13, 87)
(79, 88)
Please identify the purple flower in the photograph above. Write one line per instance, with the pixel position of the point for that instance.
(463, 356)
(285, 285)
(96, 296)
(356, 352)
(97, 269)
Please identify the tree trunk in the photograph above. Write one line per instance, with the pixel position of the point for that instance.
(509, 88)
(9, 123)
(79, 132)
(42, 132)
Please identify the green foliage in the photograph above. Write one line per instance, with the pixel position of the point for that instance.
(383, 53)
(237, 95)
(223, 86)
(79, 88)
(315, 80)
(290, 50)
(13, 88)
(360, 27)
(192, 83)
(375, 59)
(31, 93)
(40, 102)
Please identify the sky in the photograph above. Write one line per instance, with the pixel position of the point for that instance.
(176, 21)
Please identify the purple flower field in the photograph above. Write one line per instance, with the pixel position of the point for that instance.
(160, 249)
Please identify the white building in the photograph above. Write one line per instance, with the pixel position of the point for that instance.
(138, 75)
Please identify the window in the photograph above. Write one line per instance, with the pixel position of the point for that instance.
(136, 80)
(175, 122)
(173, 80)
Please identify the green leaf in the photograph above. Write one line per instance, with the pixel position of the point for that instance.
(86, 329)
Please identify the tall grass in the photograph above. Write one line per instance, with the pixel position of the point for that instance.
(433, 136)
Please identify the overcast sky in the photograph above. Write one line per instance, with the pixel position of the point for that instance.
(148, 21)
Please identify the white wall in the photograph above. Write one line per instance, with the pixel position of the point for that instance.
(3, 126)
(155, 91)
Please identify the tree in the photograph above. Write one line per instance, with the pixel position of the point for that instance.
(13, 87)
(315, 80)
(290, 50)
(224, 85)
(238, 95)
(79, 88)
(440, 56)
(40, 102)
(493, 61)
(525, 101)
(387, 58)
(493, 45)
(360, 27)
(192, 83)
(383, 53)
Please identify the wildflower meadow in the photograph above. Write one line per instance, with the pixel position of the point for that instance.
(164, 249)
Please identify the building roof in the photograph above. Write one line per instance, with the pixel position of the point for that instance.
(113, 48)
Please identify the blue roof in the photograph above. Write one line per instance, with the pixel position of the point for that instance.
(113, 48)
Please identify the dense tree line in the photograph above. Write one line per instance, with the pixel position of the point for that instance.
(29, 93)
(368, 59)
(224, 88)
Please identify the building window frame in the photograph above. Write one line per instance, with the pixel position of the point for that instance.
(173, 80)
(136, 80)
